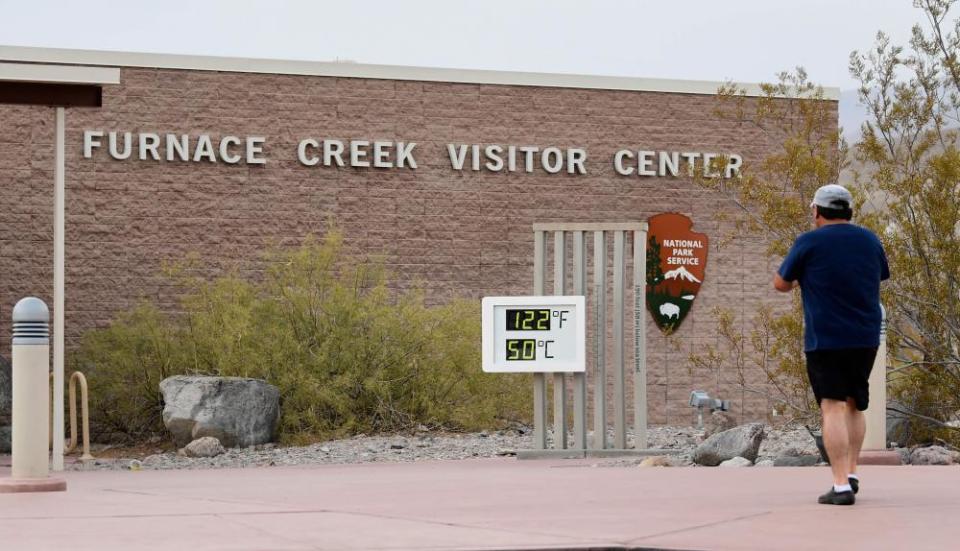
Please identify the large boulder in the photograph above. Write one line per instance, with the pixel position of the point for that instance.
(743, 441)
(6, 395)
(932, 455)
(239, 412)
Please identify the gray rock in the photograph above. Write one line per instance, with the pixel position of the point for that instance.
(737, 462)
(932, 455)
(790, 451)
(743, 441)
(794, 457)
(206, 446)
(718, 421)
(6, 395)
(238, 412)
(904, 454)
(796, 461)
(765, 463)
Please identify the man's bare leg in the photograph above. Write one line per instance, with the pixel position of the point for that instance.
(836, 438)
(856, 429)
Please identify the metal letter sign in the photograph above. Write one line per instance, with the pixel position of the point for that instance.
(545, 334)
(676, 265)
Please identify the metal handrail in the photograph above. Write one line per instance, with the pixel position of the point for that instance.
(84, 412)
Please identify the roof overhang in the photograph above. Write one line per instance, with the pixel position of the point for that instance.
(360, 70)
(58, 74)
(54, 85)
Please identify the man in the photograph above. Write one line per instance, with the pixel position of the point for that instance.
(838, 267)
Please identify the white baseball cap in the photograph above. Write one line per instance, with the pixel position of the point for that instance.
(829, 194)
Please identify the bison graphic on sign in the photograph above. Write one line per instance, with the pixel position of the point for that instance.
(676, 265)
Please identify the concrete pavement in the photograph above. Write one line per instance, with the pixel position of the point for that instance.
(484, 504)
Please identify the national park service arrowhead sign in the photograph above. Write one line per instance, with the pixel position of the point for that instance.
(676, 264)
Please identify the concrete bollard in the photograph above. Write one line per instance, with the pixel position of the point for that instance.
(876, 414)
(875, 451)
(31, 401)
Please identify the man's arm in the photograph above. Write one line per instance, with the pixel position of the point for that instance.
(791, 269)
(783, 285)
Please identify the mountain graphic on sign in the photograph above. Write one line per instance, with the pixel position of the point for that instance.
(682, 274)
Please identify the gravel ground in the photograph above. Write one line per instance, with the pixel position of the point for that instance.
(429, 446)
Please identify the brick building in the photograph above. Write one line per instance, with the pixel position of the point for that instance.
(439, 172)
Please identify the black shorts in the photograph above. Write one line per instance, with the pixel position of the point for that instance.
(841, 374)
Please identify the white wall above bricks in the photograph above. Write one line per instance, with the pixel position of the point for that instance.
(361, 70)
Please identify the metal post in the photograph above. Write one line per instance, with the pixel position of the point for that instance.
(598, 445)
(600, 340)
(30, 356)
(619, 396)
(579, 379)
(640, 338)
(58, 289)
(559, 382)
(539, 379)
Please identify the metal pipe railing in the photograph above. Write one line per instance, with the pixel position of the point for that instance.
(84, 414)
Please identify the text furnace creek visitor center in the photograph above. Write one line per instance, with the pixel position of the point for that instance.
(441, 173)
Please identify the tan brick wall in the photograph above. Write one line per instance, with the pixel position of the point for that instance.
(450, 230)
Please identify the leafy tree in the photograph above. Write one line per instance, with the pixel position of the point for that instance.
(911, 175)
(773, 195)
(907, 188)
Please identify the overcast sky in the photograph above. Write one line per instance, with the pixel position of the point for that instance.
(744, 40)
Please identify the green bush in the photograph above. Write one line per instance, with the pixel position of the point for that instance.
(348, 354)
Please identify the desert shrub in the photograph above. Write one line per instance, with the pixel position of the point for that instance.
(124, 365)
(348, 353)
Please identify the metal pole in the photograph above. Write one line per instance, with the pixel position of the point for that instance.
(559, 382)
(539, 379)
(640, 338)
(58, 289)
(579, 379)
(619, 395)
(600, 340)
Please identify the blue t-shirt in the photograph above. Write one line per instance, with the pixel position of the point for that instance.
(840, 267)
